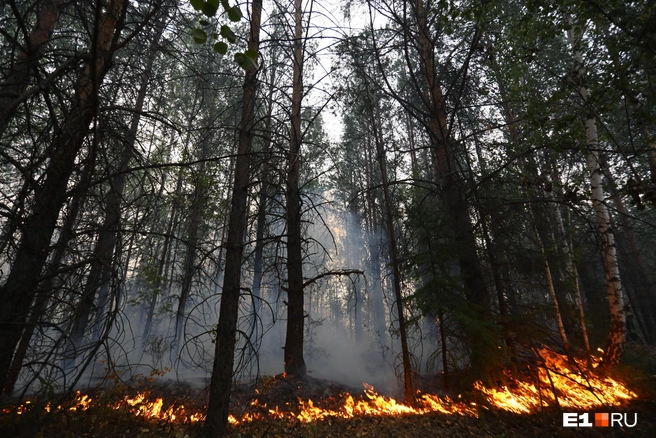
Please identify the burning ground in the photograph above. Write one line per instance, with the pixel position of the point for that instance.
(527, 403)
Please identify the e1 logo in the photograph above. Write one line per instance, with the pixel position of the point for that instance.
(571, 419)
(604, 419)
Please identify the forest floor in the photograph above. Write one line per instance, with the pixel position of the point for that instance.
(103, 419)
(155, 407)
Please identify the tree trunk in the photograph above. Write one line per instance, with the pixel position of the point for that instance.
(617, 330)
(570, 266)
(216, 421)
(391, 235)
(294, 360)
(18, 291)
(157, 289)
(100, 274)
(550, 284)
(102, 266)
(50, 284)
(644, 304)
(261, 213)
(374, 243)
(198, 204)
(446, 174)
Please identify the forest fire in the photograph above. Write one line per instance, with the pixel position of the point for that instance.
(372, 404)
(563, 382)
(139, 405)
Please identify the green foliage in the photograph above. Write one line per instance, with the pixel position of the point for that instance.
(228, 34)
(234, 14)
(444, 295)
(220, 47)
(246, 60)
(199, 35)
(150, 282)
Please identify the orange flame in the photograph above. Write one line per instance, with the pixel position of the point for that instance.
(373, 404)
(560, 380)
(141, 406)
(559, 384)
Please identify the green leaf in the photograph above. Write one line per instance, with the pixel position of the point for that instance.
(225, 4)
(221, 48)
(228, 34)
(199, 35)
(204, 22)
(251, 53)
(210, 8)
(234, 14)
(244, 61)
(197, 4)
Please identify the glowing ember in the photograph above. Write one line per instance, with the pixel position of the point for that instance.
(82, 403)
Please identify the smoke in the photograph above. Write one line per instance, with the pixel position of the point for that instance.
(338, 356)
(349, 322)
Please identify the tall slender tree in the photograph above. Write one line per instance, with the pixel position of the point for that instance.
(216, 421)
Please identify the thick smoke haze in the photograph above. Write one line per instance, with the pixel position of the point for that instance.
(349, 326)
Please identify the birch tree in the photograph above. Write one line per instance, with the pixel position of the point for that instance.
(617, 330)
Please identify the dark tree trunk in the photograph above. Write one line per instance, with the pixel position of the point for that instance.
(216, 421)
(294, 360)
(102, 267)
(457, 207)
(374, 243)
(261, 214)
(198, 204)
(50, 284)
(374, 119)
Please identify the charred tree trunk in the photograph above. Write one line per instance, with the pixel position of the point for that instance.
(99, 276)
(50, 284)
(216, 421)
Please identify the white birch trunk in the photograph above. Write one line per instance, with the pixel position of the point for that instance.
(617, 329)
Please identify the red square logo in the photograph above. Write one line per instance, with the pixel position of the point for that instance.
(601, 420)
